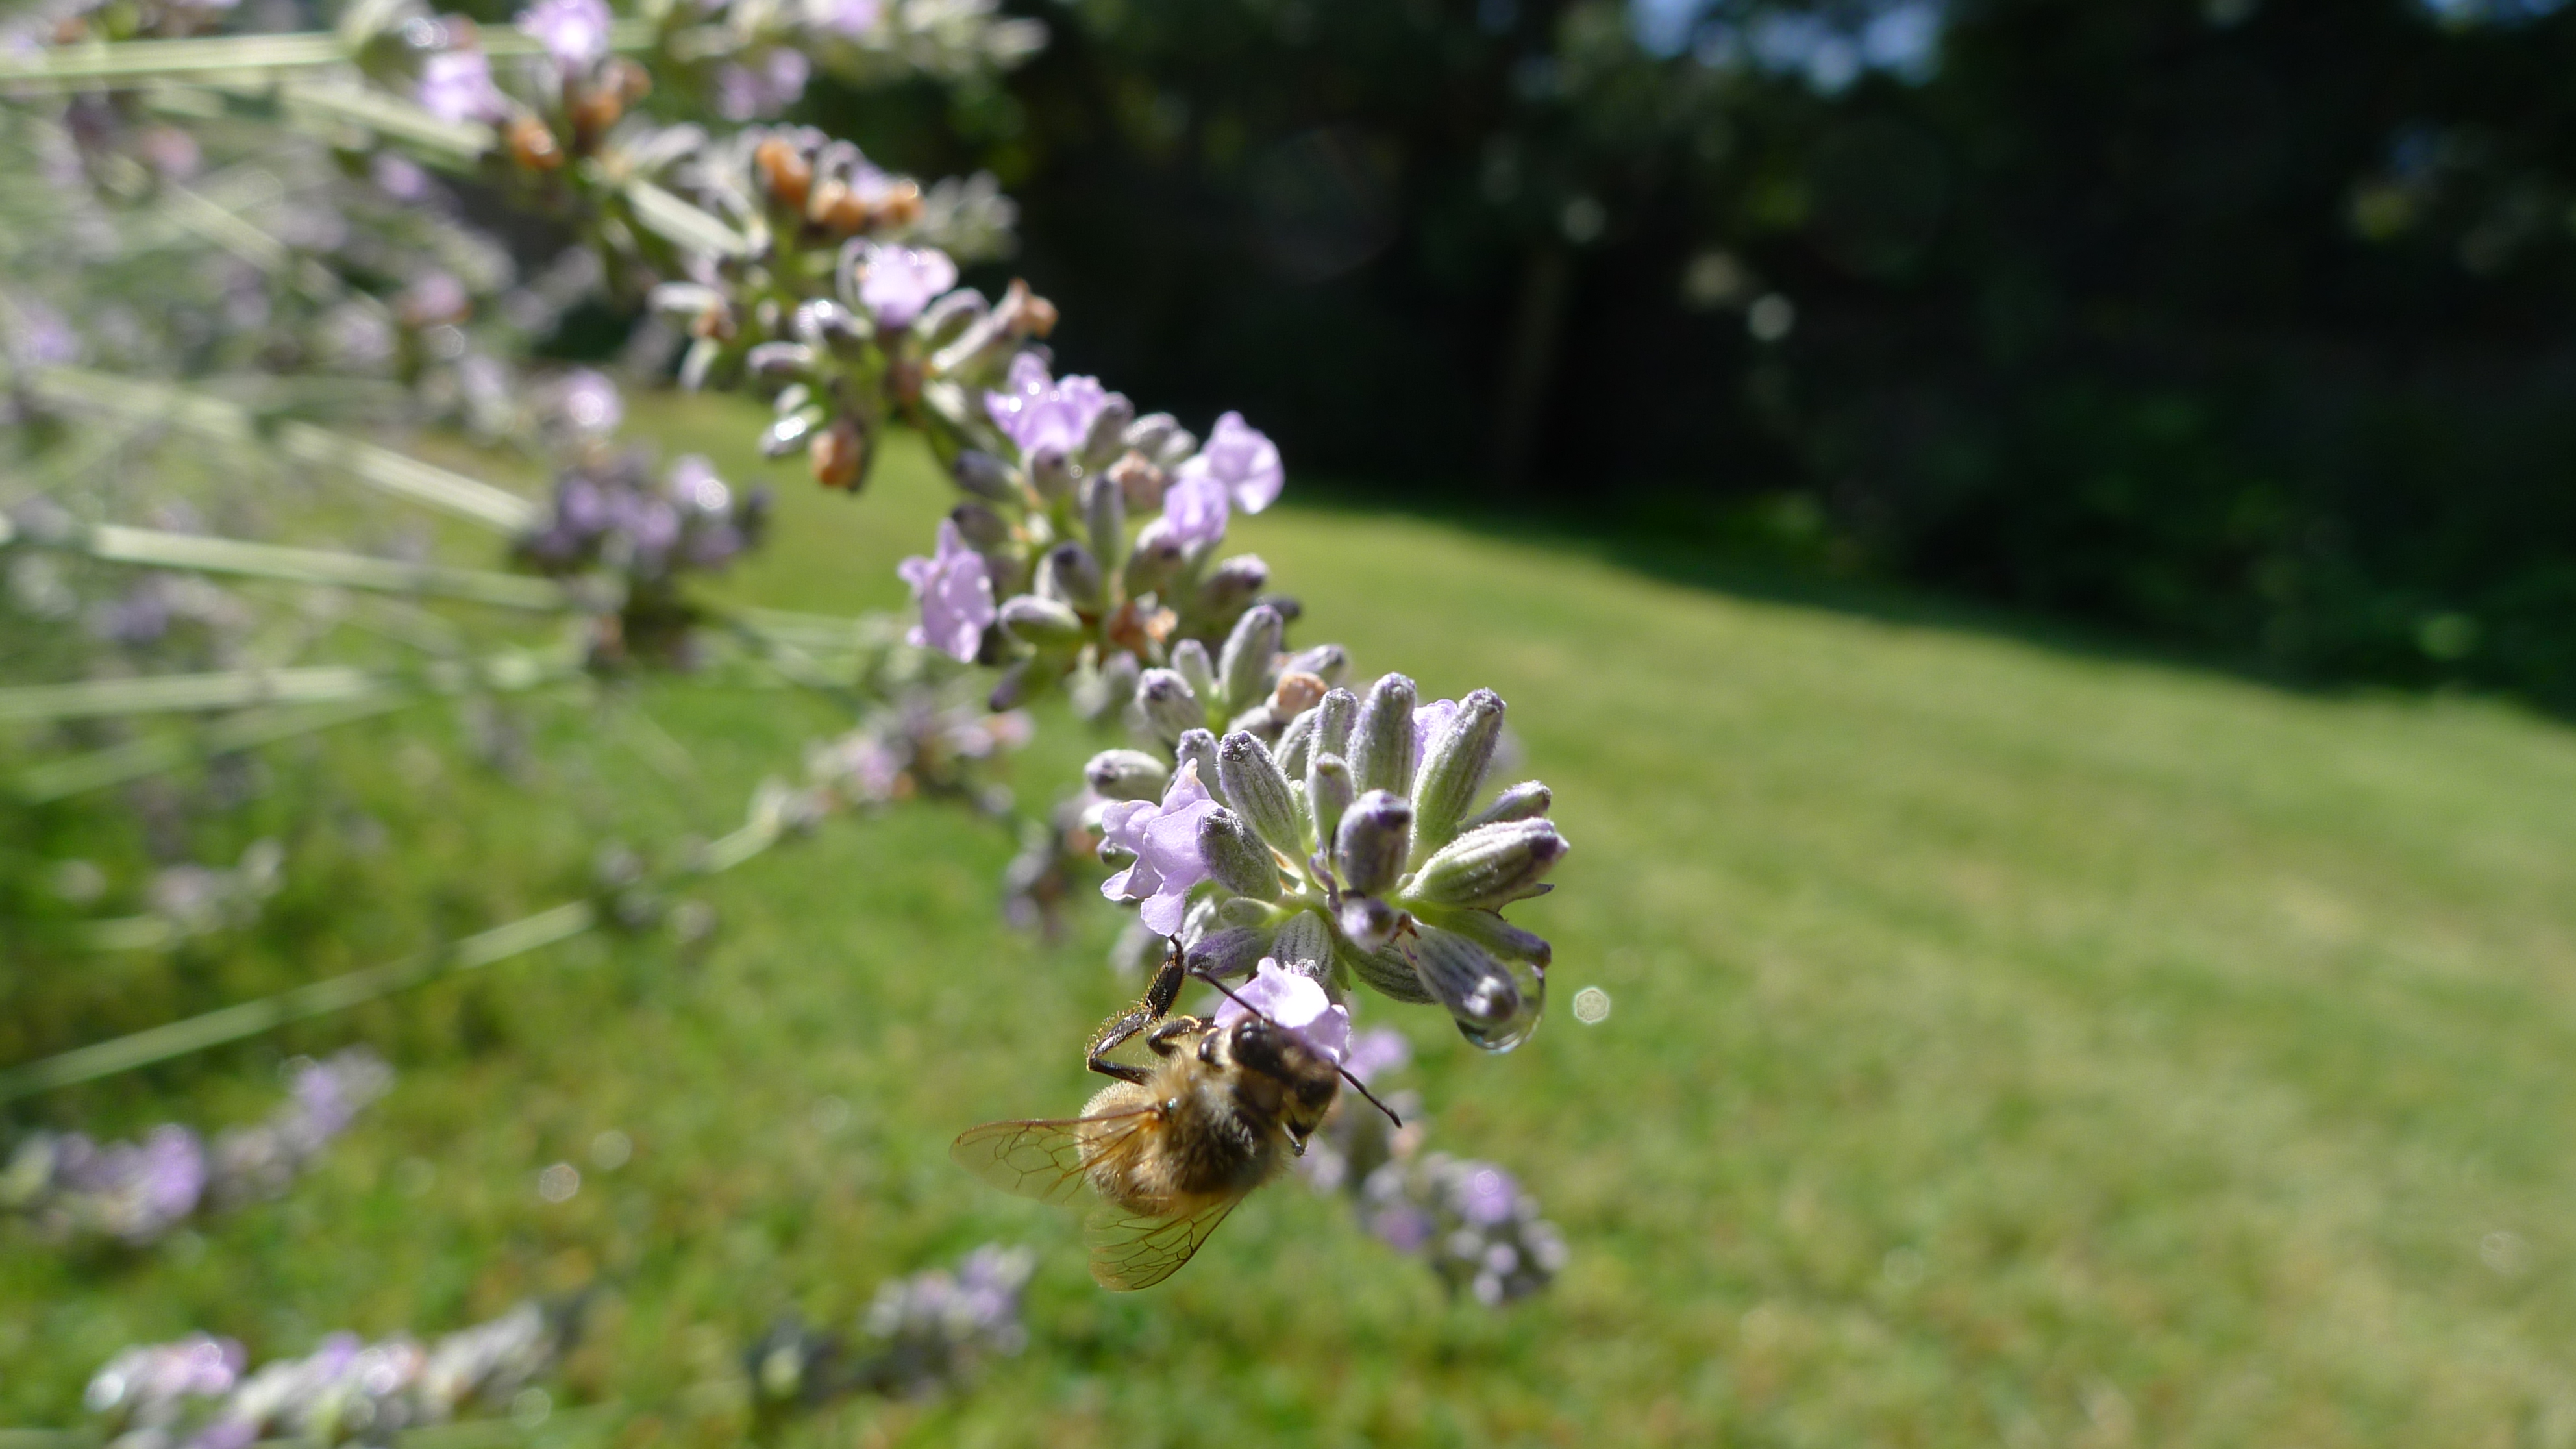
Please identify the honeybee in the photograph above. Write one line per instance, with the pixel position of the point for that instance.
(1168, 1149)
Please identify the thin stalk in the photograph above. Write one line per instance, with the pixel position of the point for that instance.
(152, 548)
(242, 688)
(62, 779)
(129, 63)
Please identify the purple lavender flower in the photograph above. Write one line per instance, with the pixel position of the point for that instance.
(586, 400)
(954, 589)
(1401, 1225)
(764, 88)
(1486, 1194)
(456, 86)
(36, 334)
(574, 32)
(1165, 841)
(1194, 512)
(1243, 459)
(847, 17)
(1375, 1051)
(1294, 1001)
(900, 281)
(1038, 413)
(1429, 719)
(400, 177)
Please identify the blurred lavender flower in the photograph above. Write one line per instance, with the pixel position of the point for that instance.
(899, 281)
(921, 744)
(954, 589)
(1242, 459)
(847, 17)
(921, 1335)
(456, 86)
(1377, 1051)
(1482, 1233)
(194, 1393)
(586, 401)
(1164, 839)
(1039, 413)
(1295, 1002)
(66, 1186)
(574, 32)
(768, 84)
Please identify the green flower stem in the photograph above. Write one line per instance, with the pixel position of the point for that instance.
(144, 62)
(241, 688)
(112, 543)
(61, 779)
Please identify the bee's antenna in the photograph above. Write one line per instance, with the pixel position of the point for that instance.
(1356, 1084)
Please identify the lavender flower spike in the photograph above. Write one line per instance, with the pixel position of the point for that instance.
(1242, 459)
(1194, 511)
(954, 588)
(1165, 841)
(574, 32)
(456, 86)
(900, 281)
(1297, 1003)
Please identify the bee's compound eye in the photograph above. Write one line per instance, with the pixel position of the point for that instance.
(1207, 1047)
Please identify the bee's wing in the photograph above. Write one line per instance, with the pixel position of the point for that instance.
(1048, 1160)
(1133, 1250)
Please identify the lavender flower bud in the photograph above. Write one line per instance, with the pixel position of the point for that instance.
(942, 320)
(1108, 436)
(1251, 653)
(1384, 972)
(787, 435)
(1197, 746)
(1169, 706)
(825, 324)
(1127, 775)
(1490, 866)
(1499, 937)
(1051, 474)
(1333, 721)
(1369, 922)
(1041, 622)
(1177, 446)
(1453, 768)
(985, 476)
(1296, 744)
(1104, 511)
(1232, 584)
(1304, 944)
(1231, 951)
(779, 361)
(1372, 841)
(1139, 482)
(1473, 985)
(1328, 662)
(1148, 434)
(1238, 862)
(1190, 657)
(1329, 792)
(982, 528)
(1258, 791)
(1069, 573)
(1381, 753)
(1524, 801)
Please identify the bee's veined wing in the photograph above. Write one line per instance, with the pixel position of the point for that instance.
(1049, 1160)
(1132, 1250)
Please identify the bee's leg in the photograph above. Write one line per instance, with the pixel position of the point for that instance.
(1160, 993)
(1162, 1039)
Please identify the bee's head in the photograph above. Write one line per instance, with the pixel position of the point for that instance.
(1257, 1044)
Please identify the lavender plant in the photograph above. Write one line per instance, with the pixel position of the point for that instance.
(922, 1335)
(65, 1186)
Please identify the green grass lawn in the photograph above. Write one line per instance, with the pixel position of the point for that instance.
(2009, 1045)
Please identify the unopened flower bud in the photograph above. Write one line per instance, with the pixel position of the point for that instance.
(1304, 944)
(1148, 434)
(1127, 775)
(1251, 652)
(1327, 662)
(1381, 752)
(1238, 861)
(1329, 792)
(1051, 474)
(1296, 744)
(1177, 446)
(1231, 951)
(1465, 979)
(1190, 657)
(1490, 866)
(1453, 768)
(1104, 513)
(1198, 747)
(779, 361)
(1041, 622)
(1499, 937)
(985, 476)
(945, 318)
(1334, 717)
(1107, 438)
(1157, 558)
(981, 527)
(1139, 481)
(1384, 972)
(1259, 793)
(786, 435)
(1368, 921)
(1373, 840)
(1232, 584)
(1169, 706)
(1295, 694)
(1068, 573)
(826, 324)
(1525, 801)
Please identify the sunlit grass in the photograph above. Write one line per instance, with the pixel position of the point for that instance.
(2006, 1045)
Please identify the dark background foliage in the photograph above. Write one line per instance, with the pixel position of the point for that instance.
(2241, 323)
